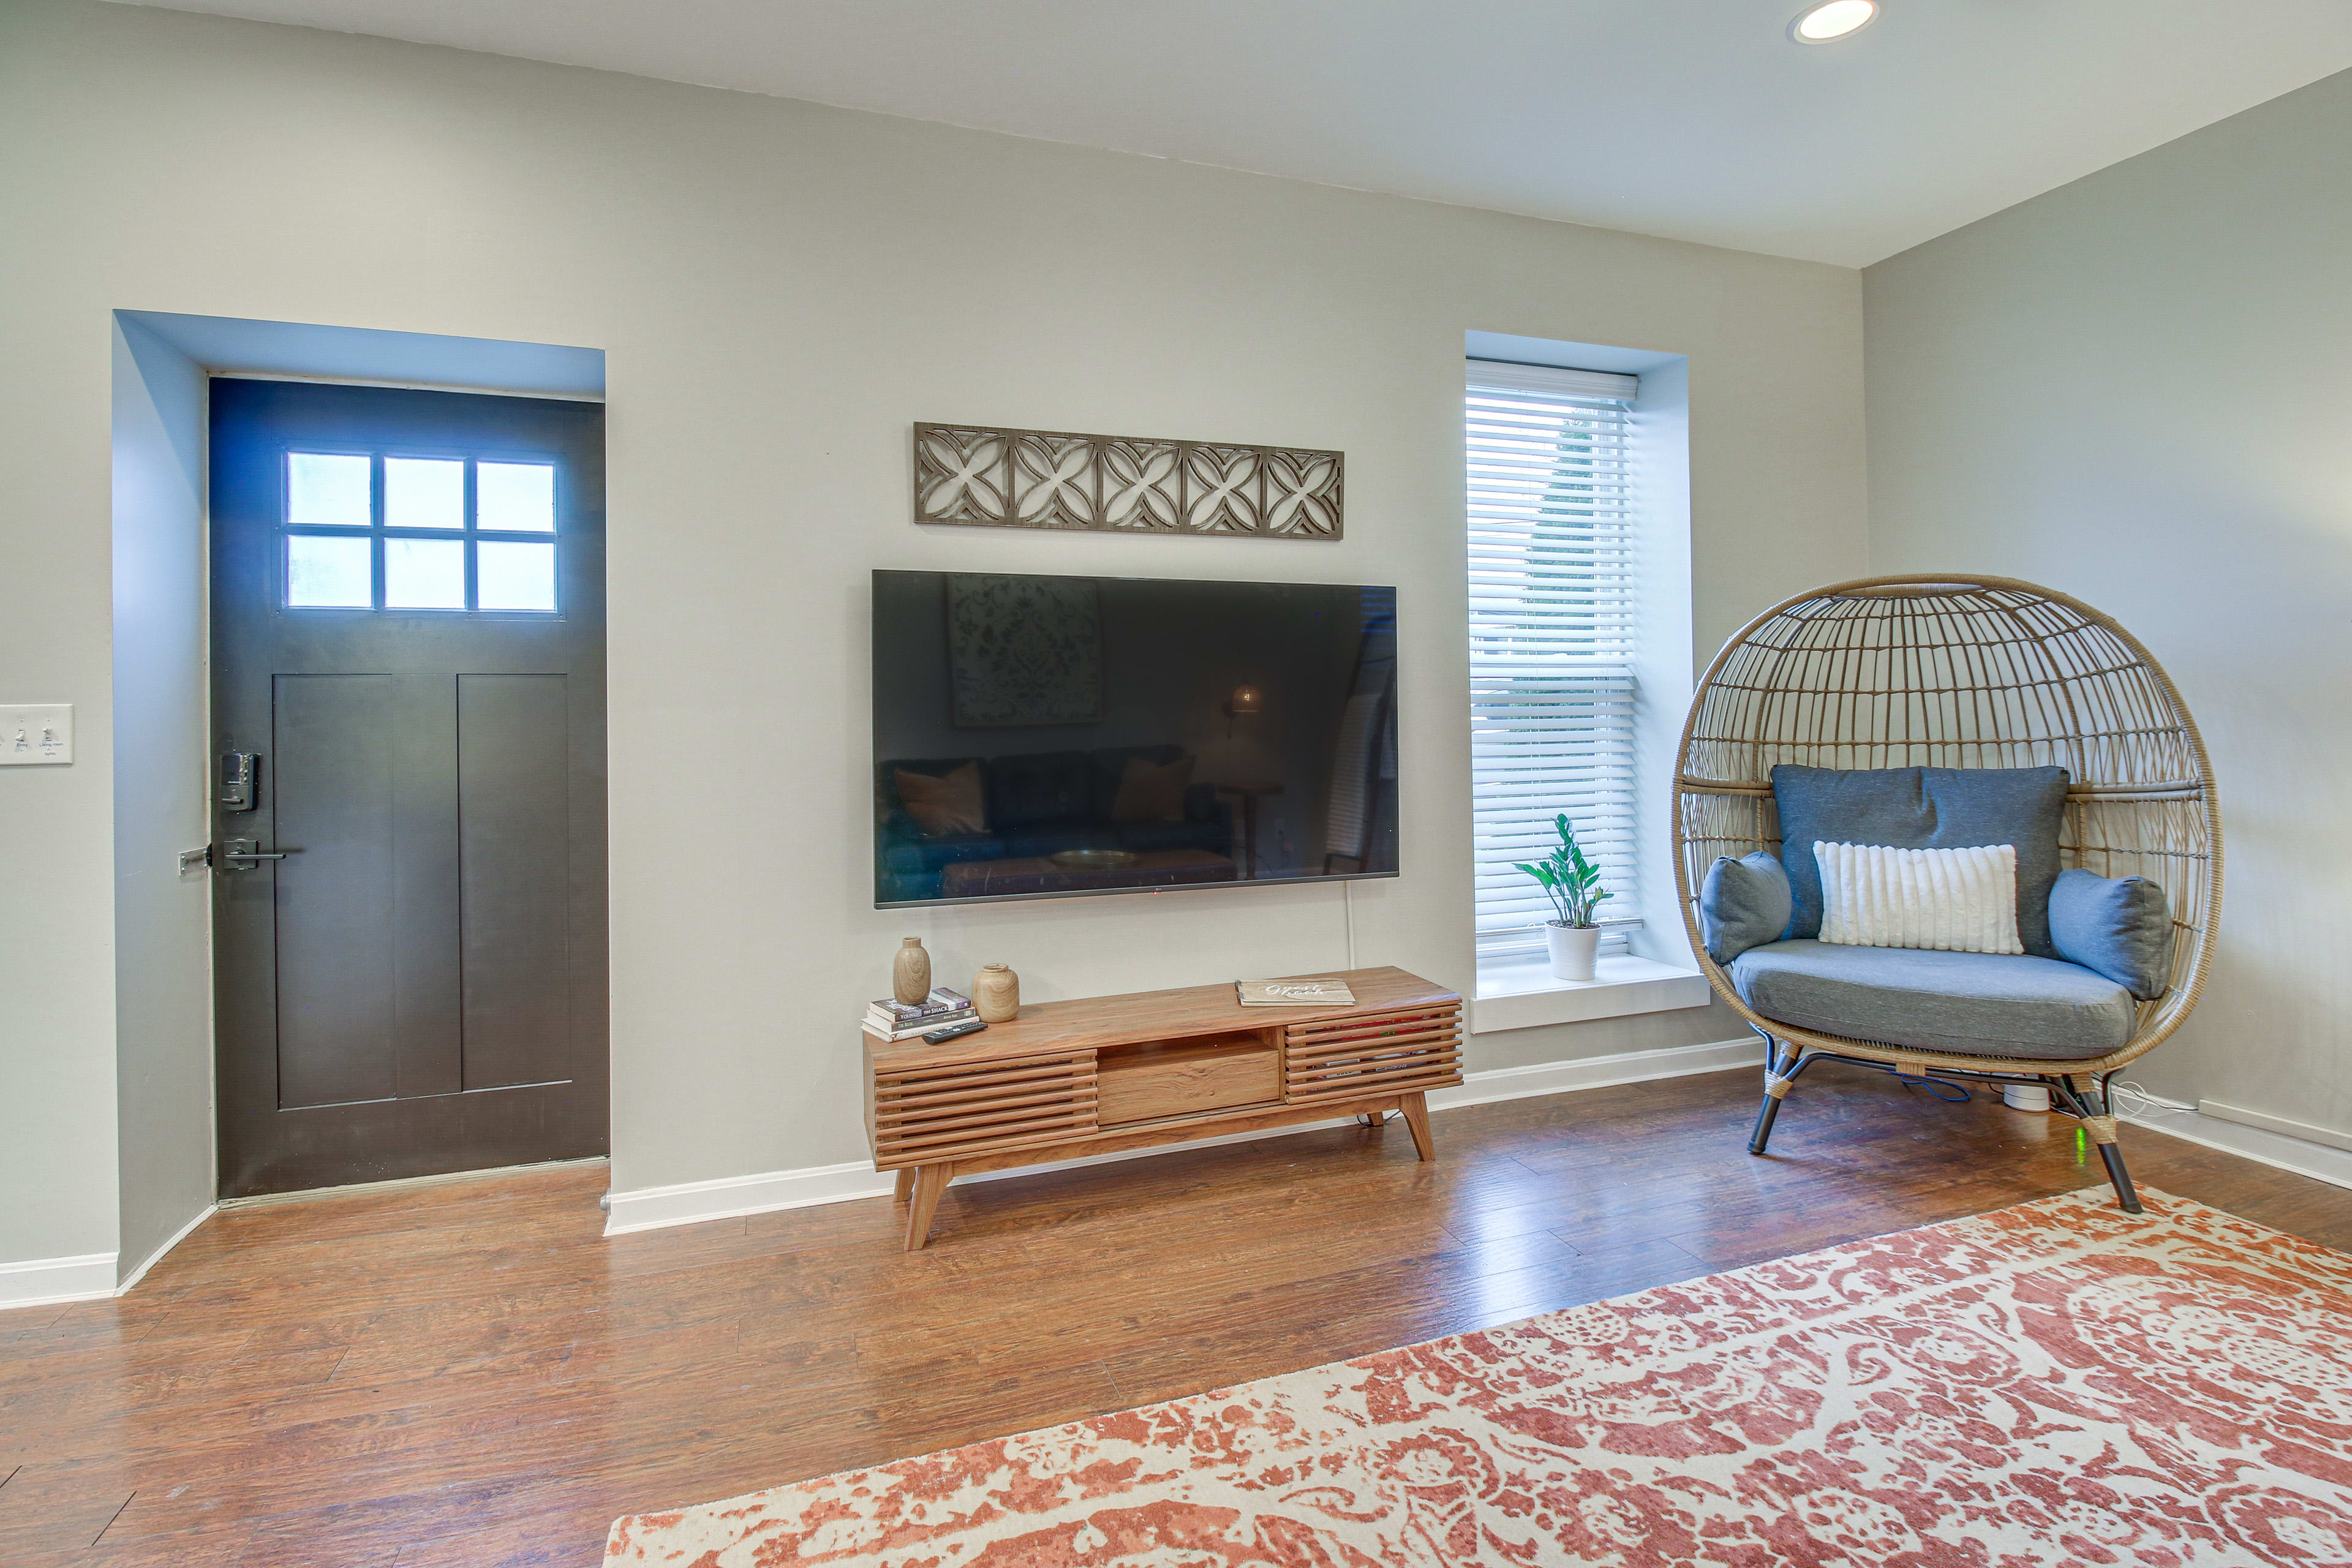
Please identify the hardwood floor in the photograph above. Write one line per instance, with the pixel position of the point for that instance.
(469, 1374)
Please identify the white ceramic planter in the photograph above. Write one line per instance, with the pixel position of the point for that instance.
(1573, 950)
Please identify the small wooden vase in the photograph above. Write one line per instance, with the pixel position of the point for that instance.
(996, 991)
(910, 972)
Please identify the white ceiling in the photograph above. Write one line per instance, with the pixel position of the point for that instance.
(1693, 118)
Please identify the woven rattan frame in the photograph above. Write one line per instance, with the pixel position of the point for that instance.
(1959, 672)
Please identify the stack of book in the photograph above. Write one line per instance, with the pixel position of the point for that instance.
(889, 1019)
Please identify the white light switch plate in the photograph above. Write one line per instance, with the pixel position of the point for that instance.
(36, 732)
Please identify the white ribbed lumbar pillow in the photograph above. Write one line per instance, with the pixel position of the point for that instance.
(1952, 901)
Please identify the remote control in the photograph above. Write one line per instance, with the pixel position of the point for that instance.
(953, 1032)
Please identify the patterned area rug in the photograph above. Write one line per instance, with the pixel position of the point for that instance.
(2054, 1384)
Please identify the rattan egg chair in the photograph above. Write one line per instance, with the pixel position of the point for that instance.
(1959, 672)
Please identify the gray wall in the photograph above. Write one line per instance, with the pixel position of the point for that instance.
(2139, 388)
(781, 289)
(162, 919)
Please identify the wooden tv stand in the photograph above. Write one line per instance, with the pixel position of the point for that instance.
(1114, 1073)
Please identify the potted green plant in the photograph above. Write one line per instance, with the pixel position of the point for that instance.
(1573, 885)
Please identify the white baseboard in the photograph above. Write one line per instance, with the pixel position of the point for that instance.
(1598, 1072)
(156, 1257)
(2327, 1137)
(52, 1281)
(649, 1208)
(2300, 1155)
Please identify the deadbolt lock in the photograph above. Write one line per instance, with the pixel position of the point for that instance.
(240, 770)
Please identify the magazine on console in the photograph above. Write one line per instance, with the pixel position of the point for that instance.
(1293, 994)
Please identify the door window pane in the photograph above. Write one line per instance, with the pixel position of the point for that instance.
(514, 576)
(328, 489)
(424, 574)
(325, 572)
(424, 492)
(516, 496)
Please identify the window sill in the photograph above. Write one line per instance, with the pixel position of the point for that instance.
(1518, 991)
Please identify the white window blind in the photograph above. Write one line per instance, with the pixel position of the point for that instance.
(1552, 608)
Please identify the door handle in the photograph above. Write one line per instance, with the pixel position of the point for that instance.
(244, 854)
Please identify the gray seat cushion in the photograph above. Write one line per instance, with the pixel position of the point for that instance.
(1969, 1003)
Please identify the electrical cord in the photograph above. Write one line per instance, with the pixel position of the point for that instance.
(2146, 1102)
(1960, 1092)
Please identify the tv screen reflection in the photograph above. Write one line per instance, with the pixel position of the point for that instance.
(1041, 736)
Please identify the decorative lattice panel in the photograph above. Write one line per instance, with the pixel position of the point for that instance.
(1121, 484)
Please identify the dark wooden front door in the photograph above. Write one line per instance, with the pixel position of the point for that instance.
(408, 671)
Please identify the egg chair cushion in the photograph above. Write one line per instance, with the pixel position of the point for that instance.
(1923, 808)
(1745, 903)
(1966, 1004)
(2118, 926)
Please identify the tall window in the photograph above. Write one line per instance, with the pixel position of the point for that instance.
(1552, 634)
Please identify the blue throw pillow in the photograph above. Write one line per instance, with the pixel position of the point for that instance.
(1924, 809)
(1745, 903)
(2116, 926)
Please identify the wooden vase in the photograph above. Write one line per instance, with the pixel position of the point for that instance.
(910, 972)
(996, 991)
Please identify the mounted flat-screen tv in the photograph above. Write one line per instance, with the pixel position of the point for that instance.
(1047, 737)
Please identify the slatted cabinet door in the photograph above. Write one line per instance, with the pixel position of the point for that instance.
(1407, 1051)
(924, 1115)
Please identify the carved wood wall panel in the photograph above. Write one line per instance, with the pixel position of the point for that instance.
(1124, 484)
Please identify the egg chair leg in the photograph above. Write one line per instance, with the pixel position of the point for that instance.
(2126, 1197)
(2090, 1103)
(1778, 1074)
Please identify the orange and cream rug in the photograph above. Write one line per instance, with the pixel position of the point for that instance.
(2056, 1384)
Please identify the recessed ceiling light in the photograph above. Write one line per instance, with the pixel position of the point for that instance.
(1832, 19)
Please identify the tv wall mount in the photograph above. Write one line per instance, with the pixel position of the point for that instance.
(985, 478)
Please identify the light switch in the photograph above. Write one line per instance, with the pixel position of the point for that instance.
(36, 732)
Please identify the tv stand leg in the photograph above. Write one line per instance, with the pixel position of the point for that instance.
(931, 1181)
(905, 1187)
(1415, 1107)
